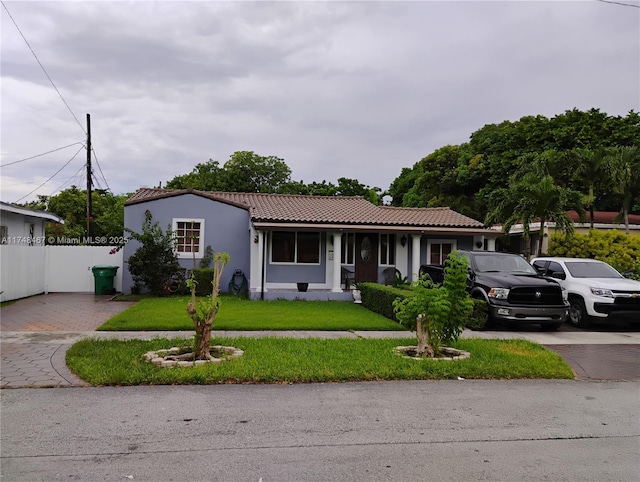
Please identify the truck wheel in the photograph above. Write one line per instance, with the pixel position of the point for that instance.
(578, 316)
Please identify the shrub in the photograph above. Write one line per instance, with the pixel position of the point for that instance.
(204, 280)
(379, 298)
(438, 313)
(618, 249)
(155, 262)
(479, 316)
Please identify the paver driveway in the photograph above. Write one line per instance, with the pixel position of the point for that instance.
(42, 364)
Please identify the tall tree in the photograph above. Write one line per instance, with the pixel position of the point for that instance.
(591, 171)
(71, 205)
(625, 173)
(246, 171)
(530, 199)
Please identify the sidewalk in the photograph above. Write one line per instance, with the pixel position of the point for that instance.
(35, 334)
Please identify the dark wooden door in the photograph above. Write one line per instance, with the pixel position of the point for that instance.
(367, 257)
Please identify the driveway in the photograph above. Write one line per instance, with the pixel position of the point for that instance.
(36, 332)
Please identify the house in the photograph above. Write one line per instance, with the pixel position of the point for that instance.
(22, 250)
(602, 220)
(278, 241)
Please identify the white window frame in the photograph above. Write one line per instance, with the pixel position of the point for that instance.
(452, 242)
(174, 227)
(390, 246)
(344, 252)
(295, 256)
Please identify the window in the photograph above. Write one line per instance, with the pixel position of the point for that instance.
(388, 249)
(293, 247)
(348, 248)
(439, 250)
(189, 234)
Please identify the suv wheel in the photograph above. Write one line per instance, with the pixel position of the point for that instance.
(578, 316)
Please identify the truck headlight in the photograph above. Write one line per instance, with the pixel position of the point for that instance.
(499, 293)
(602, 292)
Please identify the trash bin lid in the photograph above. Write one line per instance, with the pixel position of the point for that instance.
(104, 266)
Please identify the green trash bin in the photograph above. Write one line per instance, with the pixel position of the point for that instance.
(103, 279)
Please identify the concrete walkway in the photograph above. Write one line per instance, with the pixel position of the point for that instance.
(36, 332)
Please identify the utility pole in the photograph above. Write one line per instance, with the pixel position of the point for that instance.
(89, 204)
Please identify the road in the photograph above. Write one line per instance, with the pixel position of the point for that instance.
(495, 430)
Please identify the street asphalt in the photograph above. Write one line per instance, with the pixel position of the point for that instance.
(497, 430)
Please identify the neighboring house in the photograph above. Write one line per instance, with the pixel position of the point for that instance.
(278, 240)
(602, 220)
(22, 250)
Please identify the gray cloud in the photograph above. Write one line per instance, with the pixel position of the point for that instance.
(336, 89)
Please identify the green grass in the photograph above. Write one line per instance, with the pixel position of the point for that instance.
(160, 314)
(289, 360)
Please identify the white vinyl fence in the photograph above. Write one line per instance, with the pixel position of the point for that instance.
(31, 270)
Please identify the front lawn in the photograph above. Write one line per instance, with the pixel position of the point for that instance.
(168, 314)
(289, 360)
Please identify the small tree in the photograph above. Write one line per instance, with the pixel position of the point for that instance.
(155, 262)
(203, 311)
(437, 313)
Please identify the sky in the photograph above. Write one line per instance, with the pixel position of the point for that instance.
(335, 88)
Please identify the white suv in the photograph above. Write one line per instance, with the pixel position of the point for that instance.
(596, 291)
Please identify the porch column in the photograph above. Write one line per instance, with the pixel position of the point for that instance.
(257, 261)
(491, 244)
(337, 256)
(415, 256)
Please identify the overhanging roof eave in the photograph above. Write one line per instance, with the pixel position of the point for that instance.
(270, 226)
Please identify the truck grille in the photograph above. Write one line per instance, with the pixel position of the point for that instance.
(536, 296)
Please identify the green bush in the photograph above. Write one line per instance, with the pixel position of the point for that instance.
(204, 279)
(618, 249)
(479, 316)
(379, 298)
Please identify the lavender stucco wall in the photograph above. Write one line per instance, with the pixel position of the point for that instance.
(226, 229)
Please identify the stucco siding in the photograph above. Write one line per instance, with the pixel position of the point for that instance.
(226, 228)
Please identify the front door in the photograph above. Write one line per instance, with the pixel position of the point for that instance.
(366, 257)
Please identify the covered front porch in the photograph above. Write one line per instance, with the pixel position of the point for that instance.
(345, 257)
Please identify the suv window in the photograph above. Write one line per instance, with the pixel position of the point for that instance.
(588, 269)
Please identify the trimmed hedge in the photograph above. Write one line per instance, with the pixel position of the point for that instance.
(479, 315)
(379, 299)
(616, 248)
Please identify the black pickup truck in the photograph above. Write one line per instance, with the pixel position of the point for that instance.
(512, 288)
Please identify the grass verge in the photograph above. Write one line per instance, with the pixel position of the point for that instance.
(160, 314)
(289, 360)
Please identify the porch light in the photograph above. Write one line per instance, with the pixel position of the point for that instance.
(403, 240)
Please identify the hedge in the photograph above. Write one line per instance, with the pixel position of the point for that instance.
(379, 299)
(616, 248)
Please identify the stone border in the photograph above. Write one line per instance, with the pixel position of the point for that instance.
(454, 354)
(172, 357)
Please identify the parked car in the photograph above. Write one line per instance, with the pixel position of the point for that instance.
(513, 290)
(596, 291)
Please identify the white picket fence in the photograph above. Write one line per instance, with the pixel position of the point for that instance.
(31, 270)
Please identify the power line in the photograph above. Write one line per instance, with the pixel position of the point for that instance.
(40, 155)
(42, 67)
(619, 3)
(73, 177)
(57, 172)
(100, 169)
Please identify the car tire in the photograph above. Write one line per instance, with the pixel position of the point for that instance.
(578, 316)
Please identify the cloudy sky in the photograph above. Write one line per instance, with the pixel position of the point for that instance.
(335, 88)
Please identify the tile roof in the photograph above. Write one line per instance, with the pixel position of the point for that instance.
(347, 210)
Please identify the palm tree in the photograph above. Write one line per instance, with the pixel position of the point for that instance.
(592, 168)
(625, 173)
(530, 198)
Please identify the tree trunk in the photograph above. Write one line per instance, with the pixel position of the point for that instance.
(424, 345)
